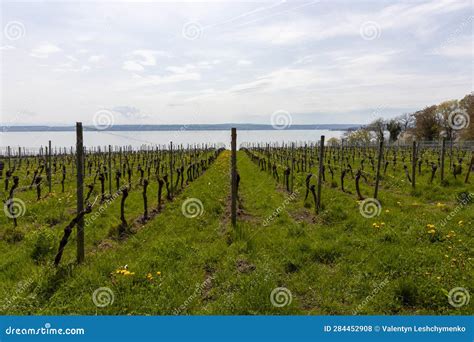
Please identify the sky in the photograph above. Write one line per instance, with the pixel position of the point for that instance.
(317, 62)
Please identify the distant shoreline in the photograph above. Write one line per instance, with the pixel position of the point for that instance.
(194, 127)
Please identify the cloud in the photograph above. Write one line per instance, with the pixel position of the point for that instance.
(130, 112)
(132, 66)
(158, 80)
(44, 50)
(96, 58)
(244, 62)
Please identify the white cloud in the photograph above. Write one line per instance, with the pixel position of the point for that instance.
(158, 80)
(250, 58)
(132, 66)
(244, 62)
(96, 58)
(44, 50)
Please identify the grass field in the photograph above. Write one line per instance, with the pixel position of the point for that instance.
(280, 259)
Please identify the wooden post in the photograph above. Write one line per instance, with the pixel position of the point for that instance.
(80, 191)
(379, 162)
(443, 150)
(413, 166)
(234, 176)
(171, 168)
(292, 166)
(320, 174)
(49, 166)
(469, 169)
(9, 155)
(110, 169)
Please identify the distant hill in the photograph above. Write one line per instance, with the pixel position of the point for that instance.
(211, 127)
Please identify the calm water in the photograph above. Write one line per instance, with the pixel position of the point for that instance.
(34, 140)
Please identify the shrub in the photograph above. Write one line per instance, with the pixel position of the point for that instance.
(44, 243)
(13, 235)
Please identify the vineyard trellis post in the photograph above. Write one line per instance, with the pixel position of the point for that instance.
(413, 166)
(49, 166)
(469, 169)
(171, 169)
(379, 161)
(80, 191)
(443, 150)
(320, 174)
(9, 162)
(110, 169)
(292, 165)
(234, 176)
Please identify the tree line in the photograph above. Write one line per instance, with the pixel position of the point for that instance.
(452, 120)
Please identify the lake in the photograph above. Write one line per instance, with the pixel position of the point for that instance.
(34, 140)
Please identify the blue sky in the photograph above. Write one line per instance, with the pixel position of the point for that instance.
(216, 62)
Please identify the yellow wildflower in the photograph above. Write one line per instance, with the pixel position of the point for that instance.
(158, 273)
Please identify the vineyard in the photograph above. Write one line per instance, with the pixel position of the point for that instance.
(293, 228)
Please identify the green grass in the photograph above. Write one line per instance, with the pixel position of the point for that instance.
(333, 263)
